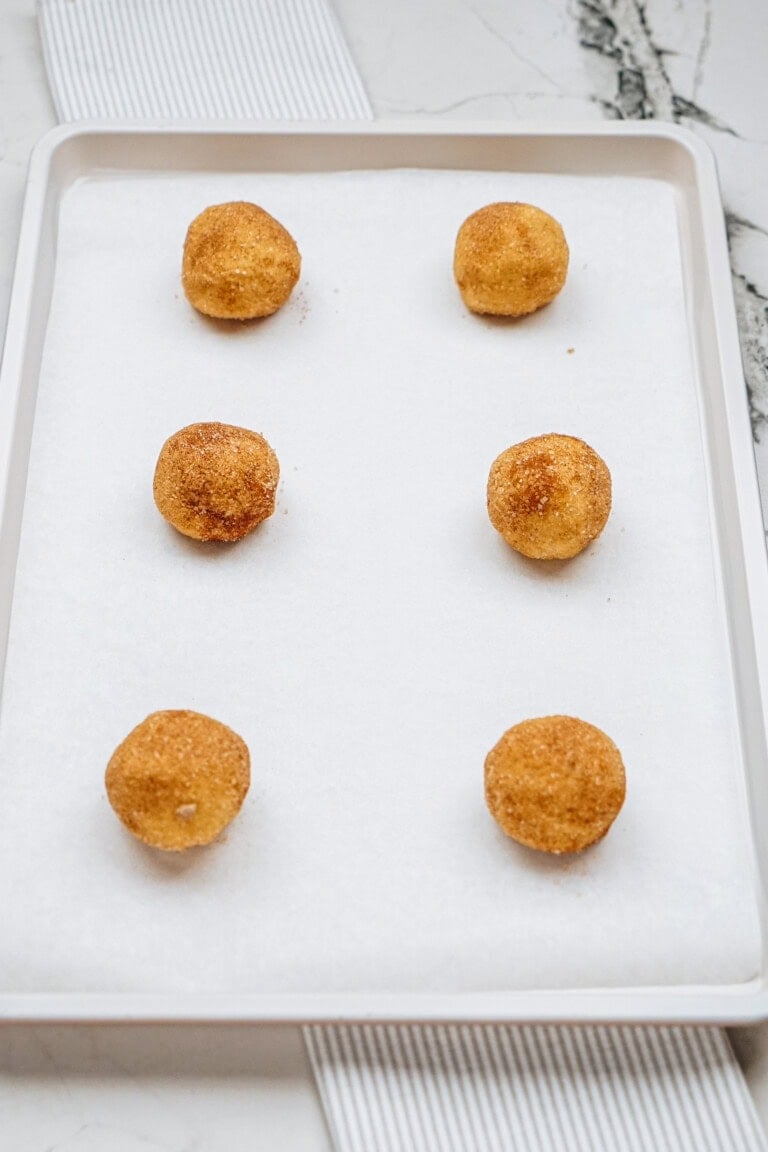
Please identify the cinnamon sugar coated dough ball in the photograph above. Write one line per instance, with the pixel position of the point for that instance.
(555, 783)
(510, 259)
(216, 481)
(178, 779)
(239, 262)
(550, 496)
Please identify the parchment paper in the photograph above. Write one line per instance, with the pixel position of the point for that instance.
(374, 639)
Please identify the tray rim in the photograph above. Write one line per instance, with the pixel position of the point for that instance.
(724, 1004)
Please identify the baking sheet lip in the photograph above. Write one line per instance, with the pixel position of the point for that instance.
(396, 126)
(688, 1004)
(726, 1004)
(19, 306)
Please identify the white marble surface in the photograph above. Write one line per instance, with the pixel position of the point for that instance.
(157, 1089)
(698, 62)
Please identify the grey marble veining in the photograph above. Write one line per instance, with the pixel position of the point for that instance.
(752, 313)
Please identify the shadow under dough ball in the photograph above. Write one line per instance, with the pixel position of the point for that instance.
(555, 783)
(178, 779)
(510, 259)
(239, 262)
(549, 496)
(216, 481)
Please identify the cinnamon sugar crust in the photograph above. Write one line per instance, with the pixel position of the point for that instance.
(216, 481)
(510, 259)
(555, 783)
(239, 263)
(178, 779)
(549, 496)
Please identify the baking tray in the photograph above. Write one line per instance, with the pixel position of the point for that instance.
(723, 497)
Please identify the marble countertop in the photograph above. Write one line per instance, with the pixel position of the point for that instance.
(700, 63)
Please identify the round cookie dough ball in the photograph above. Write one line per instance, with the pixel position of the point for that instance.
(555, 783)
(550, 496)
(239, 262)
(510, 259)
(178, 779)
(216, 481)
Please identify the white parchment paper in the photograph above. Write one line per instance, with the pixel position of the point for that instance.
(373, 640)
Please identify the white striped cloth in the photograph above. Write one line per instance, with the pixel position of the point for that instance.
(392, 1089)
(186, 59)
(489, 1088)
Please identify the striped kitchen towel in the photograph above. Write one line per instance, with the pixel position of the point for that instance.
(493, 1088)
(190, 59)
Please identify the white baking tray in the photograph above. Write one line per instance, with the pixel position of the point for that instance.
(374, 380)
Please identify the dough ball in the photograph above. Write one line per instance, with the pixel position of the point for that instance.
(239, 262)
(178, 779)
(555, 783)
(216, 481)
(510, 259)
(549, 497)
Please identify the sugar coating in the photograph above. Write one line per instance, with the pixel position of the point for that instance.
(555, 783)
(549, 496)
(239, 263)
(178, 779)
(510, 259)
(216, 481)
